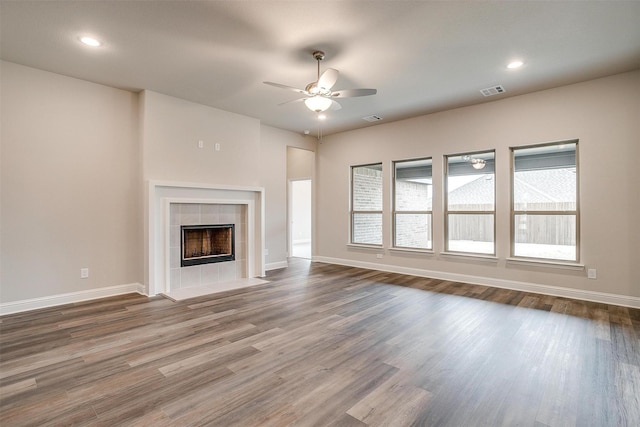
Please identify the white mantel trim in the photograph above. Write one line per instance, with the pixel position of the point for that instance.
(190, 185)
(162, 193)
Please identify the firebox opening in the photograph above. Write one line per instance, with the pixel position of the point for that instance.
(204, 244)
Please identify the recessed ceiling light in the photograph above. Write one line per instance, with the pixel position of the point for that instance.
(90, 41)
(515, 64)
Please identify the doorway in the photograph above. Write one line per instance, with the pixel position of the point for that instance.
(300, 218)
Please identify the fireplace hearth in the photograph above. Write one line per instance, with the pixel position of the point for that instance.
(205, 244)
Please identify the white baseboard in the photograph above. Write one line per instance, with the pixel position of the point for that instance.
(601, 297)
(276, 265)
(580, 294)
(72, 297)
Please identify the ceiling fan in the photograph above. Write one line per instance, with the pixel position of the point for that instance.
(318, 95)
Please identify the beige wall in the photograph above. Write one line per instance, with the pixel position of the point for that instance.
(300, 163)
(274, 172)
(603, 114)
(75, 160)
(250, 155)
(171, 130)
(70, 185)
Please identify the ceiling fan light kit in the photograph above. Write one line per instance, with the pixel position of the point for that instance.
(475, 162)
(318, 103)
(478, 163)
(318, 94)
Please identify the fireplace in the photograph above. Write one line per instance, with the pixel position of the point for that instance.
(171, 205)
(204, 244)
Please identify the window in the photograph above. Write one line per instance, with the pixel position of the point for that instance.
(413, 194)
(544, 220)
(366, 204)
(470, 203)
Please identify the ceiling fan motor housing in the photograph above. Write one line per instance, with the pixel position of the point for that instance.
(318, 55)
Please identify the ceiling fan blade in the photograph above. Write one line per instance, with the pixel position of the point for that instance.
(335, 105)
(328, 78)
(291, 101)
(286, 87)
(350, 93)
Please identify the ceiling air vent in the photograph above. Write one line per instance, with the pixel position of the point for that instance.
(493, 90)
(373, 118)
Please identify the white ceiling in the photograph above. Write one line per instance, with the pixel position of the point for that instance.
(422, 56)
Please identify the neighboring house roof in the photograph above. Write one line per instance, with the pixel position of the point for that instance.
(476, 192)
(540, 187)
(550, 185)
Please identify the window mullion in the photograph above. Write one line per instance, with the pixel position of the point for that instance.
(545, 212)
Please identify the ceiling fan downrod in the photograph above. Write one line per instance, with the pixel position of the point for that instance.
(319, 56)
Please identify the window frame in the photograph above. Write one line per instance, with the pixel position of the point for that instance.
(513, 212)
(394, 210)
(447, 212)
(353, 211)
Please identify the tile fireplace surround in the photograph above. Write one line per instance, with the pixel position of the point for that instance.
(203, 214)
(172, 204)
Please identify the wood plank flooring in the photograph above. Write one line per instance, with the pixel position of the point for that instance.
(325, 345)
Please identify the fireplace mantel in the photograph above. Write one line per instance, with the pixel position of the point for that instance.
(160, 196)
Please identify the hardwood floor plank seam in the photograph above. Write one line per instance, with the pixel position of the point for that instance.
(325, 345)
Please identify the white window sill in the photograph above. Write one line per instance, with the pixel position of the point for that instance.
(464, 255)
(364, 246)
(412, 251)
(565, 265)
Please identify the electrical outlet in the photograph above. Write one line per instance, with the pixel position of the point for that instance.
(217, 146)
(379, 256)
(201, 144)
(84, 273)
(592, 273)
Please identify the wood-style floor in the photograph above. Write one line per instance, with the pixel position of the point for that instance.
(325, 345)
